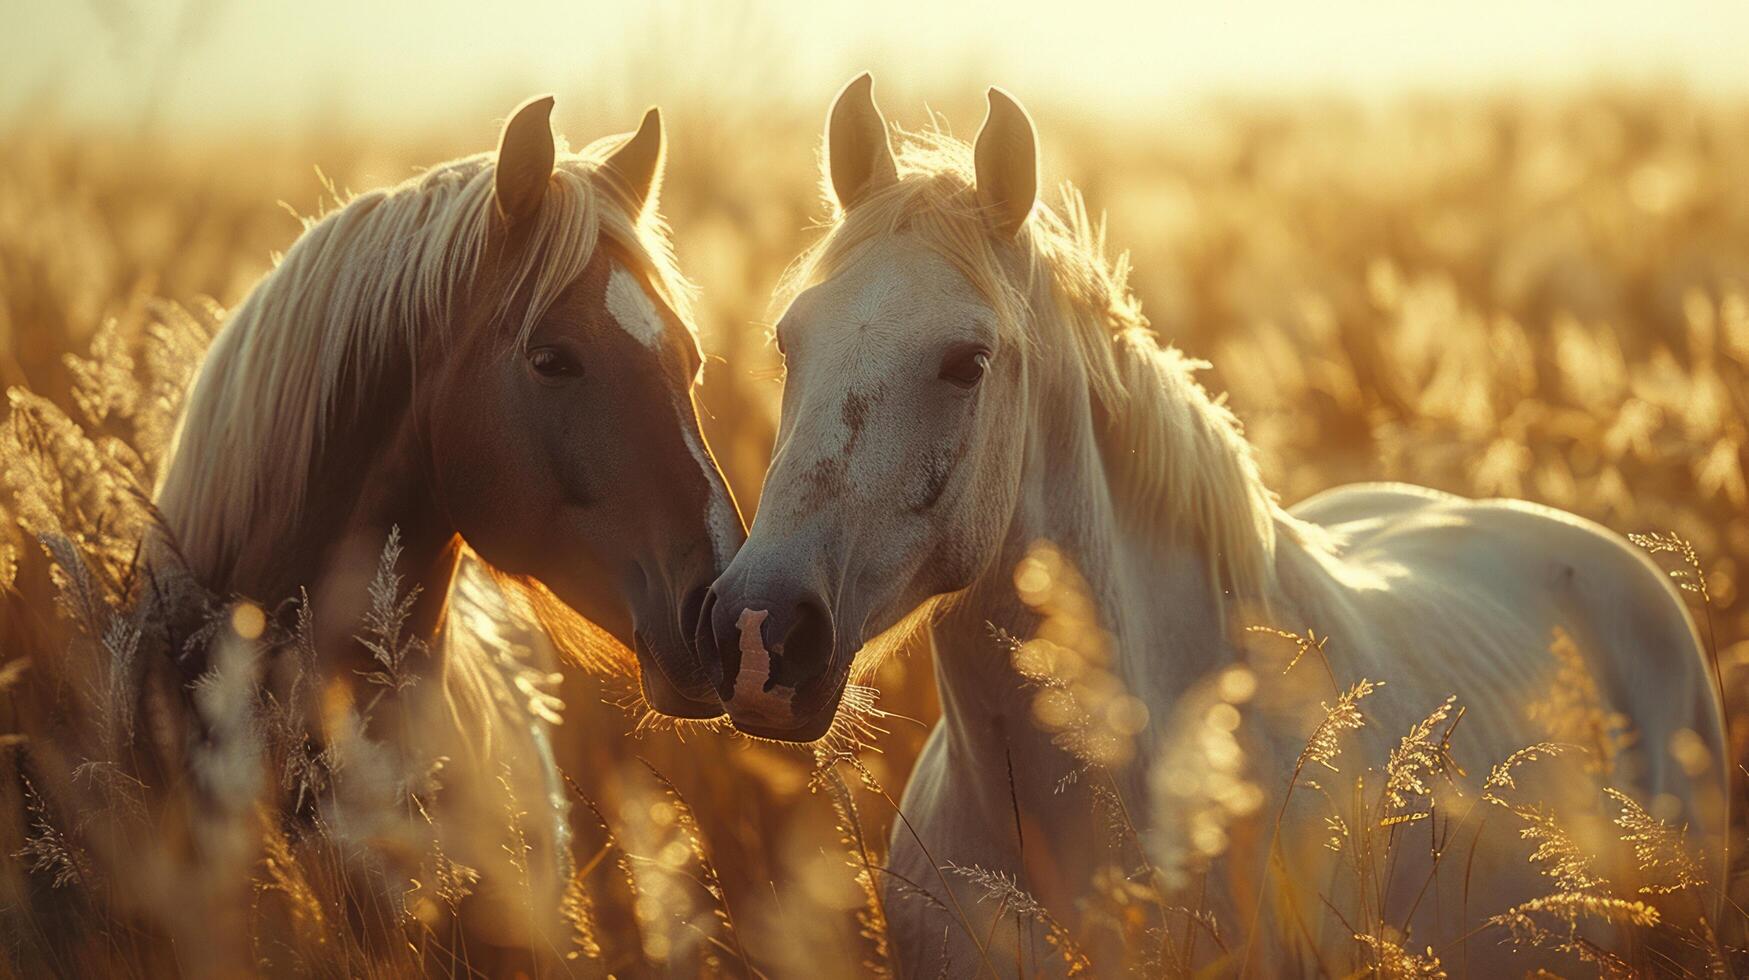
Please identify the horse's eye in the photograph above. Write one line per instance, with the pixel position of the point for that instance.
(551, 362)
(965, 368)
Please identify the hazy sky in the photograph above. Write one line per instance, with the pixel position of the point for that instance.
(225, 63)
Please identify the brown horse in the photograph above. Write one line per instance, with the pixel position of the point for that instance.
(493, 358)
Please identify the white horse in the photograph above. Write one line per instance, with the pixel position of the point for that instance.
(968, 375)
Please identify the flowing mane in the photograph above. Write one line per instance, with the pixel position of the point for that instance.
(383, 276)
(1177, 457)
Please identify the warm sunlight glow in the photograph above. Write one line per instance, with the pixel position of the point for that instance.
(276, 65)
(811, 489)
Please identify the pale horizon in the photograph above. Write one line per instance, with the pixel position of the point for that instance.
(208, 64)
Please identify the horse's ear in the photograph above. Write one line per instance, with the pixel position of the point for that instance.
(525, 160)
(635, 169)
(1006, 156)
(857, 154)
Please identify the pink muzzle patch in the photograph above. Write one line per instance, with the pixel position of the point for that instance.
(751, 700)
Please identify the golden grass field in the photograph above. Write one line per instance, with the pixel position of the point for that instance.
(1543, 297)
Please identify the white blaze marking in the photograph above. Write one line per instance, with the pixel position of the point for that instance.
(633, 310)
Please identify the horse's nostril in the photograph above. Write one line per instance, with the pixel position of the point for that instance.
(806, 646)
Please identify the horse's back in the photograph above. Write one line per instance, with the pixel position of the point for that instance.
(1438, 594)
(1368, 502)
(1521, 568)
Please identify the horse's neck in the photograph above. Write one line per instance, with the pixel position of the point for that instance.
(371, 477)
(1153, 599)
(371, 491)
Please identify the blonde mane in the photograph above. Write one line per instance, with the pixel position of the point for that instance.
(1177, 457)
(384, 275)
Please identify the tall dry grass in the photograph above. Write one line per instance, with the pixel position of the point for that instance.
(1546, 298)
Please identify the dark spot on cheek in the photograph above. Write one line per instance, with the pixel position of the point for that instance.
(829, 477)
(855, 413)
(825, 481)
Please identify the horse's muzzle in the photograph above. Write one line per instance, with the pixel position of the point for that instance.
(697, 699)
(773, 664)
(673, 674)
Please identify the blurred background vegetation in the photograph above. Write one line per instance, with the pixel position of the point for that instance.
(1495, 257)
